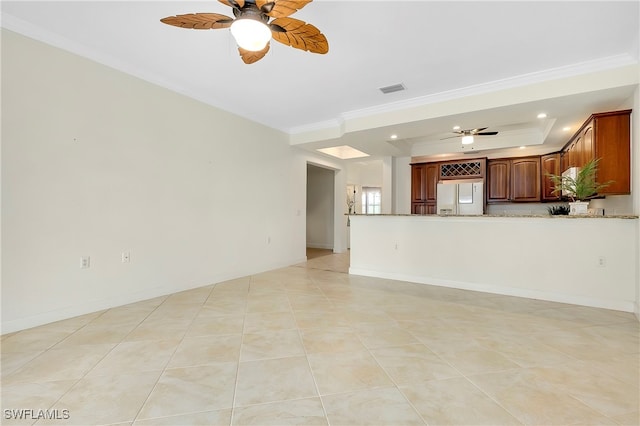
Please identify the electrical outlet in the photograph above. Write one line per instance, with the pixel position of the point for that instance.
(602, 261)
(85, 262)
(126, 257)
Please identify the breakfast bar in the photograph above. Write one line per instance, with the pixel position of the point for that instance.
(590, 261)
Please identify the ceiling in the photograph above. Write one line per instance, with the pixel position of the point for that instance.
(472, 64)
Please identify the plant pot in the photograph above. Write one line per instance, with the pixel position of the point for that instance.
(578, 208)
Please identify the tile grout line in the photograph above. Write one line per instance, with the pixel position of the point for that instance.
(164, 369)
(306, 356)
(90, 369)
(235, 384)
(395, 385)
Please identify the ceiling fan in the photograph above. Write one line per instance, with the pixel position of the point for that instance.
(467, 135)
(255, 23)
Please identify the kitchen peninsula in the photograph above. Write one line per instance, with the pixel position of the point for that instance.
(591, 261)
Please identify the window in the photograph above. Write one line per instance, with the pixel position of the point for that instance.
(371, 200)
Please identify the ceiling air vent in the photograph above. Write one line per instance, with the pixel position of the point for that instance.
(393, 88)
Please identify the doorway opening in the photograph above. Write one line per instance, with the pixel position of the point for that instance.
(320, 208)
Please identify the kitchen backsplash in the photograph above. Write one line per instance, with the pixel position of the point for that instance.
(612, 205)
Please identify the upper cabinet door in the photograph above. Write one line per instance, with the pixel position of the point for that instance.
(525, 179)
(587, 144)
(418, 183)
(612, 144)
(498, 180)
(607, 136)
(432, 176)
(550, 164)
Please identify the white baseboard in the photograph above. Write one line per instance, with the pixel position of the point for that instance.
(320, 246)
(616, 305)
(91, 306)
(82, 309)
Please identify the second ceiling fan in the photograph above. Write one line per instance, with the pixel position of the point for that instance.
(467, 135)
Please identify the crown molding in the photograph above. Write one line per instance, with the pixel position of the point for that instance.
(334, 126)
(602, 64)
(11, 23)
(319, 126)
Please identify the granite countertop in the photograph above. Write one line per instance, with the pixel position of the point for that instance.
(539, 216)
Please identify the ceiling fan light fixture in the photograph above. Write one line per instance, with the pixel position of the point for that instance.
(467, 140)
(250, 34)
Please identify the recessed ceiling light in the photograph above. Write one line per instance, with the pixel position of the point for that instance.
(566, 129)
(394, 136)
(456, 127)
(343, 152)
(542, 115)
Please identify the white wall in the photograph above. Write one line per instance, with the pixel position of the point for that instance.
(544, 258)
(365, 173)
(520, 208)
(392, 174)
(387, 186)
(402, 185)
(95, 162)
(635, 182)
(320, 207)
(298, 198)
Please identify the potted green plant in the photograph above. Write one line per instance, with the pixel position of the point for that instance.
(579, 188)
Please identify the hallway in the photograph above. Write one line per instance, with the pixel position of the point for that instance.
(326, 260)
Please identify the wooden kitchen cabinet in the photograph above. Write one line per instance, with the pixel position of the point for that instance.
(498, 180)
(418, 183)
(612, 144)
(571, 155)
(432, 175)
(549, 164)
(606, 136)
(423, 208)
(587, 145)
(424, 184)
(513, 179)
(525, 179)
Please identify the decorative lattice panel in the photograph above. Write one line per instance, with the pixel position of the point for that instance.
(472, 168)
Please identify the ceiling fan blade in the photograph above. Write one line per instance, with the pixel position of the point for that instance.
(475, 131)
(236, 4)
(299, 34)
(451, 137)
(249, 57)
(199, 21)
(281, 8)
(487, 133)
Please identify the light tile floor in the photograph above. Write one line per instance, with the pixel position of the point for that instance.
(309, 345)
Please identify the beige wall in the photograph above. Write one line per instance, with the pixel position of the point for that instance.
(96, 162)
